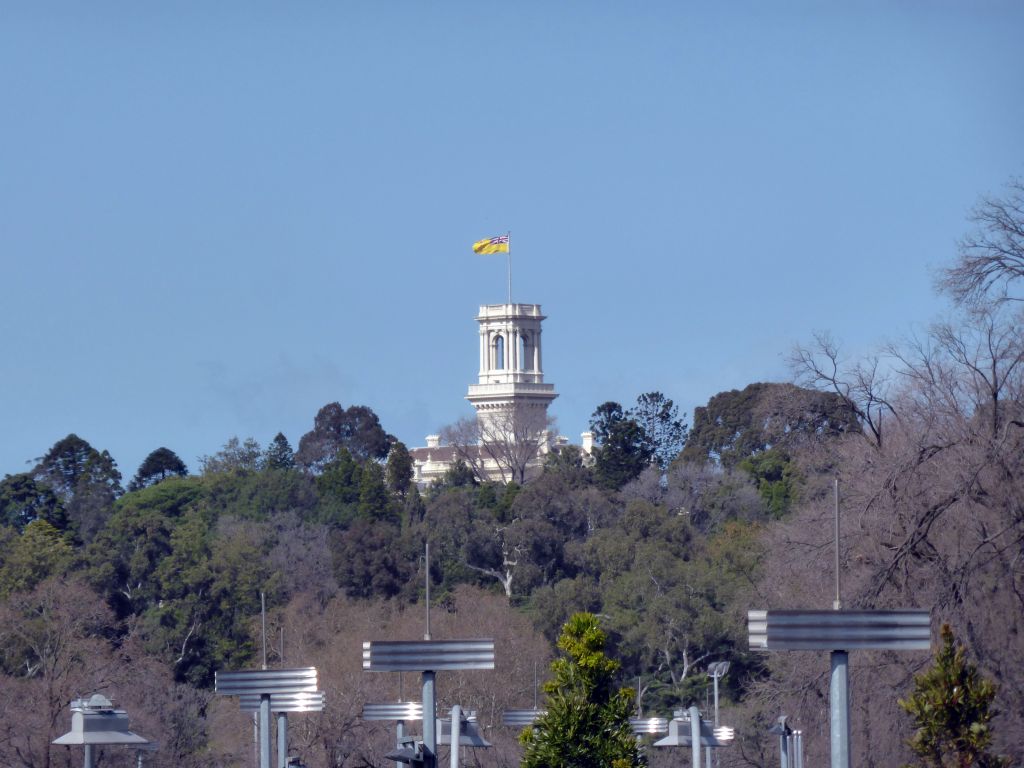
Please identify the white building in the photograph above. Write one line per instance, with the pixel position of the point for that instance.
(511, 433)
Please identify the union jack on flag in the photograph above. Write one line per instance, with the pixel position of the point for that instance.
(497, 244)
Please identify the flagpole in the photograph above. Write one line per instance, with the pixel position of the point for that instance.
(509, 236)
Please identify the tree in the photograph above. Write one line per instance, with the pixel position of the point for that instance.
(737, 424)
(623, 446)
(506, 440)
(159, 465)
(235, 457)
(586, 724)
(399, 470)
(991, 258)
(23, 500)
(356, 428)
(863, 387)
(952, 709)
(40, 552)
(664, 431)
(71, 462)
(87, 481)
(279, 453)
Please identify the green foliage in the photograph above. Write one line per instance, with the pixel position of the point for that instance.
(236, 457)
(338, 488)
(371, 559)
(279, 454)
(738, 424)
(23, 500)
(586, 724)
(158, 465)
(125, 555)
(952, 707)
(458, 475)
(374, 502)
(623, 447)
(776, 477)
(39, 552)
(356, 429)
(399, 470)
(72, 464)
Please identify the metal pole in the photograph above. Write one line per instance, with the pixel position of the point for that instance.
(456, 733)
(263, 620)
(784, 751)
(510, 267)
(255, 739)
(399, 732)
(695, 735)
(88, 756)
(798, 740)
(282, 740)
(837, 603)
(426, 561)
(429, 718)
(264, 730)
(839, 704)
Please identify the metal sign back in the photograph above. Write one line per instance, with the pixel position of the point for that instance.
(902, 630)
(402, 710)
(427, 655)
(263, 681)
(648, 725)
(284, 702)
(521, 718)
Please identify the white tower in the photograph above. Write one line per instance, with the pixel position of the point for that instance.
(510, 396)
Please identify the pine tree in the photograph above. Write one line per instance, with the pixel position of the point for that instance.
(952, 708)
(279, 453)
(587, 720)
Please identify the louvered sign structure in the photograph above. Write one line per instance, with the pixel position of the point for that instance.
(520, 718)
(295, 690)
(433, 655)
(902, 630)
(427, 657)
(284, 702)
(839, 632)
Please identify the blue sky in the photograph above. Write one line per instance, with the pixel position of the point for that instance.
(217, 217)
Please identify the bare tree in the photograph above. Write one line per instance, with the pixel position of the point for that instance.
(505, 440)
(992, 257)
(862, 386)
(932, 517)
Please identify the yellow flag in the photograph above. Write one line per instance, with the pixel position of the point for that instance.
(497, 244)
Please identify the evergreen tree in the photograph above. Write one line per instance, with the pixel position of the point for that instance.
(279, 453)
(23, 500)
(587, 720)
(159, 465)
(664, 431)
(374, 503)
(952, 708)
(400, 469)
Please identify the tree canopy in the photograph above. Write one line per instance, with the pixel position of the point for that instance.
(586, 724)
(158, 465)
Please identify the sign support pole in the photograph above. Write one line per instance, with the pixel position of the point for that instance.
(282, 740)
(429, 719)
(839, 703)
(695, 735)
(265, 730)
